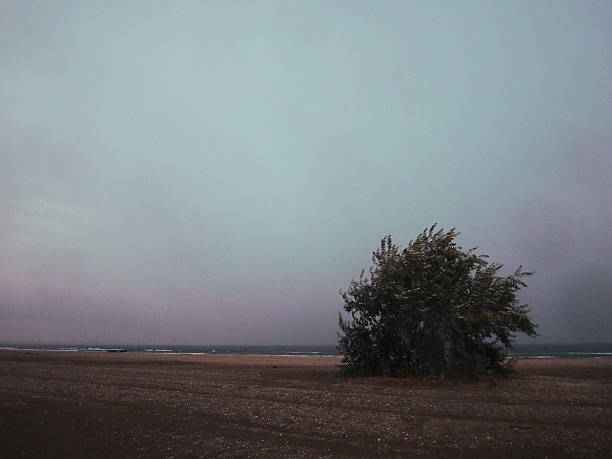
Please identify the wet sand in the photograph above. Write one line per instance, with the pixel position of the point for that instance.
(80, 404)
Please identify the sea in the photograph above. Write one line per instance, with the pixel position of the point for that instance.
(518, 351)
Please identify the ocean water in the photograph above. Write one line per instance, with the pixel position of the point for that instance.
(566, 350)
(519, 351)
(289, 350)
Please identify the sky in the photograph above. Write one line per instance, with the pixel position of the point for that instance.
(214, 172)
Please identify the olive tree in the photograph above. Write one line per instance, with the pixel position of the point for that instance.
(430, 308)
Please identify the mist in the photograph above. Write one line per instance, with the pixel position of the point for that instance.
(213, 173)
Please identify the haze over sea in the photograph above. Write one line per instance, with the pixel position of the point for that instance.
(519, 351)
(216, 171)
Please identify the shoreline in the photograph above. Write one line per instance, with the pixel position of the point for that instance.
(98, 404)
(518, 351)
(238, 358)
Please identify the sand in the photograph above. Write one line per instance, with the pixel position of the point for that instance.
(55, 404)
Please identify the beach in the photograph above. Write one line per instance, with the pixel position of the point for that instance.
(88, 404)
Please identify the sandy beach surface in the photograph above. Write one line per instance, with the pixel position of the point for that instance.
(80, 404)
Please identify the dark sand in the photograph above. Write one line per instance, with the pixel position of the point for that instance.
(56, 404)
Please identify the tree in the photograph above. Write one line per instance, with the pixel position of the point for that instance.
(431, 308)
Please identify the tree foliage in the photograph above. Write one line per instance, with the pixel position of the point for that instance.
(430, 308)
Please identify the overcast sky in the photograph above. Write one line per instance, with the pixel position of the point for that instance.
(214, 172)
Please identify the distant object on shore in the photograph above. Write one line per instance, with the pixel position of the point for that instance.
(116, 350)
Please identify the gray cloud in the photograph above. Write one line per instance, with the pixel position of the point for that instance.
(215, 173)
(564, 232)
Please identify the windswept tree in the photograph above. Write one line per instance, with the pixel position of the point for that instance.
(430, 308)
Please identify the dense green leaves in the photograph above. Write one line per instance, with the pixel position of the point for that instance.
(430, 308)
